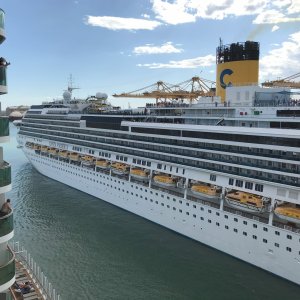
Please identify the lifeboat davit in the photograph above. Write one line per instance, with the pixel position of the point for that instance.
(165, 180)
(288, 213)
(247, 202)
(139, 174)
(206, 191)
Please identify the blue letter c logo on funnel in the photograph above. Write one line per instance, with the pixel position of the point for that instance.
(223, 73)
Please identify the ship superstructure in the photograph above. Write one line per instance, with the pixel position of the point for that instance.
(223, 170)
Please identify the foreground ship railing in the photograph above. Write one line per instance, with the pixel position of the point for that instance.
(37, 277)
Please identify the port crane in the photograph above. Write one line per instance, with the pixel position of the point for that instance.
(287, 82)
(190, 89)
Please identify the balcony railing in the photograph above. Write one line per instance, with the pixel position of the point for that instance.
(6, 224)
(5, 174)
(7, 270)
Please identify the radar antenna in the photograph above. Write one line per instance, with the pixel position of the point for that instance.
(70, 85)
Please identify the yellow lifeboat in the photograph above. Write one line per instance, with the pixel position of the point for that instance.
(74, 156)
(53, 151)
(247, 202)
(36, 147)
(119, 168)
(102, 164)
(44, 149)
(139, 174)
(87, 158)
(165, 180)
(288, 213)
(63, 153)
(206, 191)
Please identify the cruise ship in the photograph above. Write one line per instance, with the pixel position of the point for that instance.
(223, 170)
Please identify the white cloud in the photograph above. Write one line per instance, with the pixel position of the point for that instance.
(282, 61)
(116, 23)
(273, 16)
(174, 12)
(274, 28)
(145, 16)
(151, 49)
(265, 11)
(192, 63)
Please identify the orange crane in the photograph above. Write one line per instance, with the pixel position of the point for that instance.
(190, 89)
(285, 82)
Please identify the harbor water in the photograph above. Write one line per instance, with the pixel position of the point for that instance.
(90, 249)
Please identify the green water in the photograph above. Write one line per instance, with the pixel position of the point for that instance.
(92, 250)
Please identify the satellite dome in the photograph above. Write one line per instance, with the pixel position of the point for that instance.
(101, 96)
(67, 95)
(16, 114)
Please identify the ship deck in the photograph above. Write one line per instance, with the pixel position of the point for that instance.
(22, 276)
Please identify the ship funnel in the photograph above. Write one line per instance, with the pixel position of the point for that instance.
(237, 64)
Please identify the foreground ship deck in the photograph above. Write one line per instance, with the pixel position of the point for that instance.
(219, 172)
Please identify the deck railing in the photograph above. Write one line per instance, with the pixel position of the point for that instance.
(38, 277)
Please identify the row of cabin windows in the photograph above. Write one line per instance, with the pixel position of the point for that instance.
(164, 167)
(291, 168)
(248, 185)
(141, 162)
(186, 161)
(208, 145)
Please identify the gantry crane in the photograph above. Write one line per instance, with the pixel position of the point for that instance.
(190, 89)
(285, 82)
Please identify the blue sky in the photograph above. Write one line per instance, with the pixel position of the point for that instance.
(116, 46)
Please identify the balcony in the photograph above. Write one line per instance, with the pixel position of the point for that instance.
(6, 226)
(7, 271)
(5, 177)
(2, 33)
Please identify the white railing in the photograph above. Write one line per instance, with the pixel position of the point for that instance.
(38, 277)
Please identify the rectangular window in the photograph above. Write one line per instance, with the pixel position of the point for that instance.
(230, 181)
(276, 245)
(239, 183)
(249, 185)
(259, 187)
(213, 177)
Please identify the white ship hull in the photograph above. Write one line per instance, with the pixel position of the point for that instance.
(214, 227)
